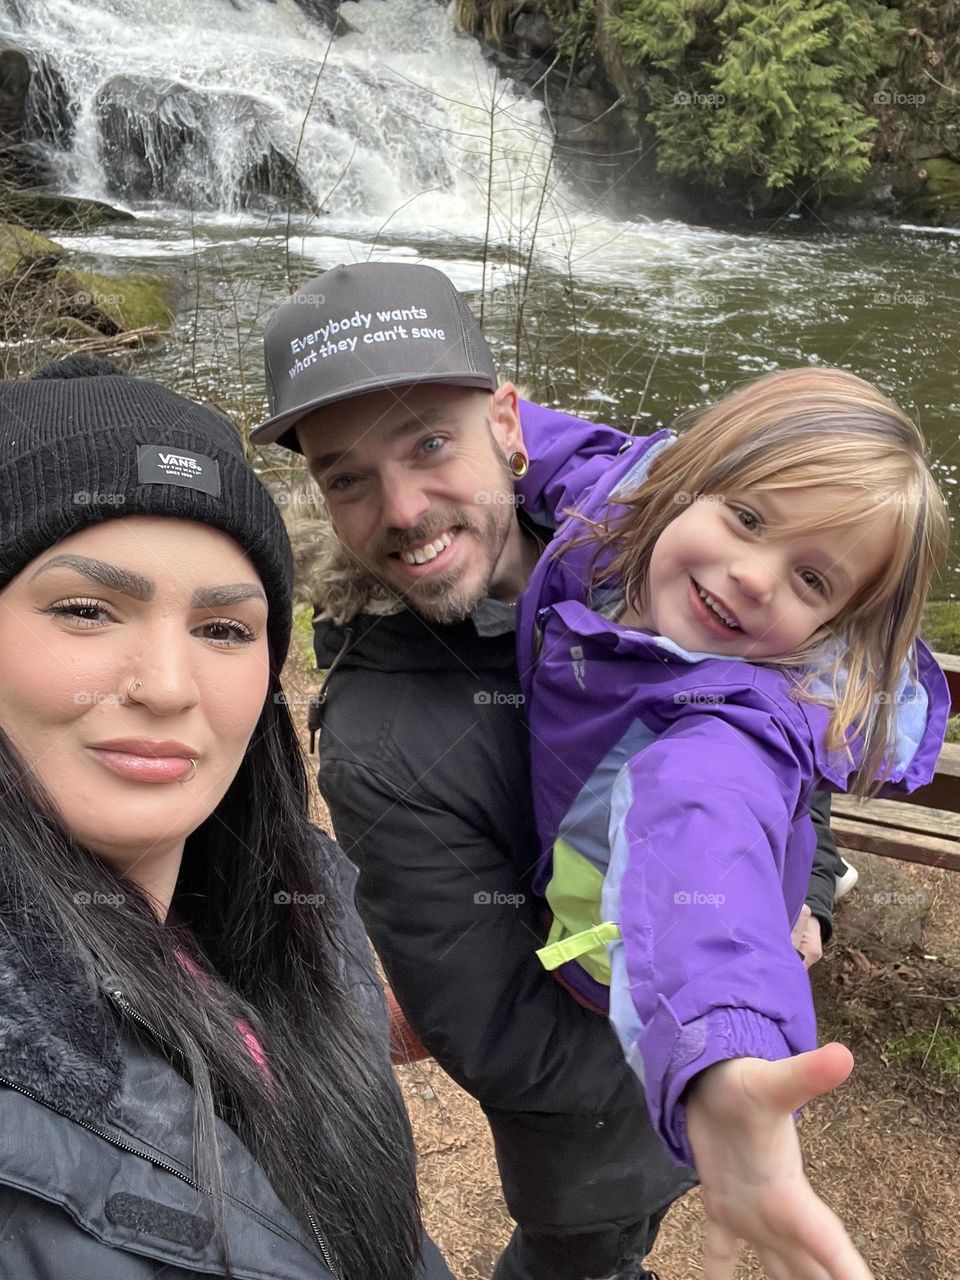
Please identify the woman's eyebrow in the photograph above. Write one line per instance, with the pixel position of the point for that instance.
(141, 588)
(108, 575)
(216, 597)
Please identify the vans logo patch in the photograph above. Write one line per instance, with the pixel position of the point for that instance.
(159, 464)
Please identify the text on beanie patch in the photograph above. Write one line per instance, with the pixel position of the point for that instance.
(167, 464)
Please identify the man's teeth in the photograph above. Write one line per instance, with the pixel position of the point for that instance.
(430, 552)
(717, 609)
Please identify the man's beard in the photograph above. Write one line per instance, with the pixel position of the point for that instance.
(446, 597)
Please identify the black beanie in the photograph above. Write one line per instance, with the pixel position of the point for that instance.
(78, 447)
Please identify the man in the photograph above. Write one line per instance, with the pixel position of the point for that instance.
(379, 375)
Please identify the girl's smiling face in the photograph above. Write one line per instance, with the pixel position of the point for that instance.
(172, 604)
(735, 575)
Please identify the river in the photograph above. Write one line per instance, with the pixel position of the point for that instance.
(412, 150)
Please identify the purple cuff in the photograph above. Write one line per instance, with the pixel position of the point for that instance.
(673, 1054)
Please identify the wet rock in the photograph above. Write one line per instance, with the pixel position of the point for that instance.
(535, 32)
(162, 140)
(17, 160)
(47, 211)
(939, 198)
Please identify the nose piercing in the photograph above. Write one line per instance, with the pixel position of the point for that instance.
(192, 775)
(132, 688)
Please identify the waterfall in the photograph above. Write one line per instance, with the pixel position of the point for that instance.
(227, 104)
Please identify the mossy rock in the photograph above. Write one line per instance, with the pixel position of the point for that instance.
(69, 327)
(939, 200)
(44, 211)
(941, 626)
(18, 245)
(115, 303)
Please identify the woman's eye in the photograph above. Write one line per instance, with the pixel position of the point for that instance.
(437, 441)
(81, 611)
(339, 484)
(229, 632)
(747, 519)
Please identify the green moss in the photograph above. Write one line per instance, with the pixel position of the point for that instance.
(302, 639)
(18, 245)
(941, 626)
(129, 302)
(934, 1054)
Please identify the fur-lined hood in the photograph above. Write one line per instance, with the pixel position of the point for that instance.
(327, 576)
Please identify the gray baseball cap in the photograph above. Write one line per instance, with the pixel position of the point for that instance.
(363, 327)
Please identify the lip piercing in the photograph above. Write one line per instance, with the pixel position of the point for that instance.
(192, 775)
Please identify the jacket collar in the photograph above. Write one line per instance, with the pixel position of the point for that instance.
(59, 1038)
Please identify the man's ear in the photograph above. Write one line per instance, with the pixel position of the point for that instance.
(505, 418)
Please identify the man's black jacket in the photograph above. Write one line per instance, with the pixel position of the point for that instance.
(428, 788)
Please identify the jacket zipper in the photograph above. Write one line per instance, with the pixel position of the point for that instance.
(107, 1137)
(328, 1260)
(138, 1017)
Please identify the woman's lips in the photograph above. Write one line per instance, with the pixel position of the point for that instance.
(143, 768)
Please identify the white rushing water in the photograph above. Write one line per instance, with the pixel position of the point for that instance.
(185, 101)
(400, 129)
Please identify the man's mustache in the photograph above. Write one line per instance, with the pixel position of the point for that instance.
(428, 530)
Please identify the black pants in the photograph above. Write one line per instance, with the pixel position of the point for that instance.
(587, 1192)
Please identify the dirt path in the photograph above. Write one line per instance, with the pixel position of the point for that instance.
(884, 1151)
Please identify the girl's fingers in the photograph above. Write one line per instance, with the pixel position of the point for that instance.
(721, 1252)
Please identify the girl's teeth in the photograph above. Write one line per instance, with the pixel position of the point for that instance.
(709, 600)
(430, 552)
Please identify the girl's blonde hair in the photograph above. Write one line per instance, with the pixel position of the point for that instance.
(800, 429)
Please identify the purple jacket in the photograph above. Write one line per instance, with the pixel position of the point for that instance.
(675, 786)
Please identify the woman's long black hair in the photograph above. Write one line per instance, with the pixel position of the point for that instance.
(258, 908)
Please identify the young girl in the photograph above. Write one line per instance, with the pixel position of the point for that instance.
(728, 622)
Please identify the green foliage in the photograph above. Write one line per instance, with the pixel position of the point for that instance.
(576, 24)
(941, 626)
(761, 93)
(301, 646)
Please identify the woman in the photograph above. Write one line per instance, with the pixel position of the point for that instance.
(188, 1084)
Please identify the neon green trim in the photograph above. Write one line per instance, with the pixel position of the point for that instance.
(576, 945)
(574, 897)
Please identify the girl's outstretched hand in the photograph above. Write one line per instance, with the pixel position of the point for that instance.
(747, 1154)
